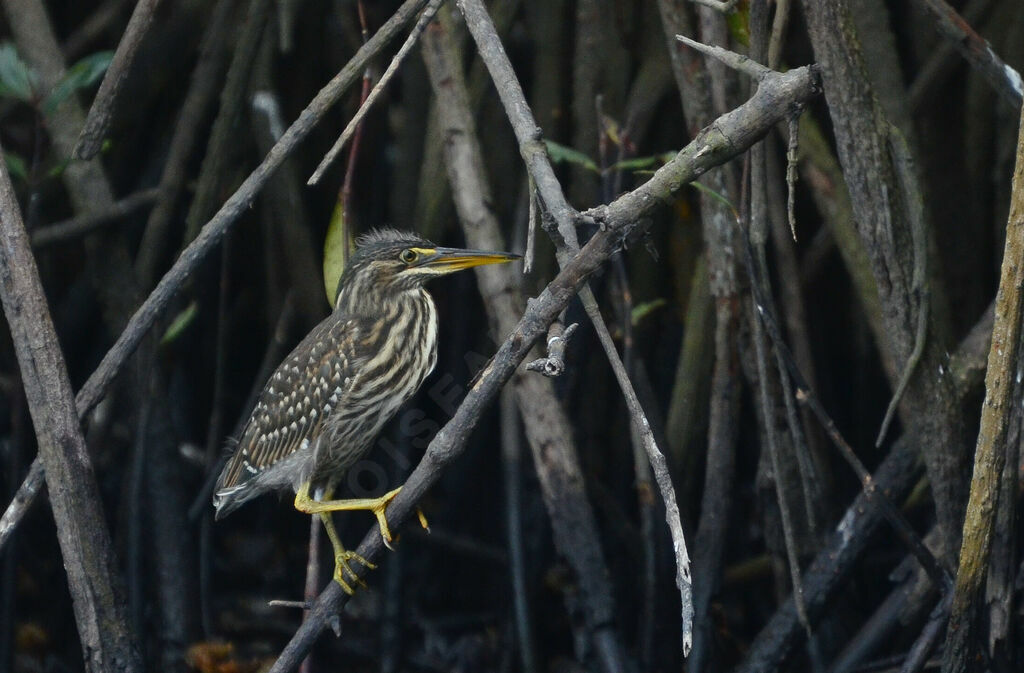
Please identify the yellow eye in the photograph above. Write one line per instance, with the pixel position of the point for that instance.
(408, 256)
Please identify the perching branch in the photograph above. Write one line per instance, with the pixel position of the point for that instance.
(520, 116)
(730, 135)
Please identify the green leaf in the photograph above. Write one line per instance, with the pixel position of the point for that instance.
(81, 75)
(16, 166)
(642, 163)
(560, 153)
(180, 323)
(641, 311)
(57, 170)
(16, 79)
(739, 23)
(338, 238)
(717, 197)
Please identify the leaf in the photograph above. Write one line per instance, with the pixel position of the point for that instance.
(16, 79)
(16, 166)
(180, 323)
(739, 23)
(560, 153)
(335, 243)
(641, 163)
(611, 129)
(717, 197)
(57, 170)
(81, 75)
(641, 311)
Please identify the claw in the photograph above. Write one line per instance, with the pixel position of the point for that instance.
(341, 566)
(423, 519)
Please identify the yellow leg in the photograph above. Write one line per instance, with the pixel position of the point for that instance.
(342, 556)
(376, 505)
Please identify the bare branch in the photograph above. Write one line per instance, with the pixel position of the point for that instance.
(989, 455)
(102, 110)
(730, 58)
(1003, 77)
(107, 640)
(378, 89)
(76, 227)
(558, 341)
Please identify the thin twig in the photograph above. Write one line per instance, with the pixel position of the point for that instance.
(213, 173)
(345, 194)
(76, 227)
(1004, 78)
(531, 226)
(779, 25)
(511, 468)
(204, 83)
(271, 356)
(902, 160)
(929, 637)
(89, 30)
(102, 110)
(22, 500)
(792, 160)
(730, 58)
(378, 89)
(558, 340)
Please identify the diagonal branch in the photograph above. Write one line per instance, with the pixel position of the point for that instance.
(102, 110)
(566, 243)
(378, 89)
(546, 423)
(1003, 77)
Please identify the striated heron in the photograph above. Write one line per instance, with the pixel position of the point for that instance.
(324, 406)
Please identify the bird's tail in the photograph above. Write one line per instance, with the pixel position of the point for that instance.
(227, 500)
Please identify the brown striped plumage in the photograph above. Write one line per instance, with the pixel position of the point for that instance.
(324, 406)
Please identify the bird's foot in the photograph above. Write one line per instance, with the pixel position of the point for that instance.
(342, 566)
(379, 508)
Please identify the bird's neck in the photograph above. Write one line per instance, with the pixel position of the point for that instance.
(370, 302)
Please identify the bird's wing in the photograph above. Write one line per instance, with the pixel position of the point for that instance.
(304, 390)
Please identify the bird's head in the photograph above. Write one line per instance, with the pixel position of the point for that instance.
(389, 260)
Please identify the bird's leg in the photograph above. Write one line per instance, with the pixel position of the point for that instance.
(342, 556)
(376, 505)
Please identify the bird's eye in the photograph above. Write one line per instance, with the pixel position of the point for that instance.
(408, 256)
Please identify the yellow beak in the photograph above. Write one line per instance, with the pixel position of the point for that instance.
(456, 259)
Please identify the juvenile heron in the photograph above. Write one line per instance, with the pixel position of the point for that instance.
(324, 406)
